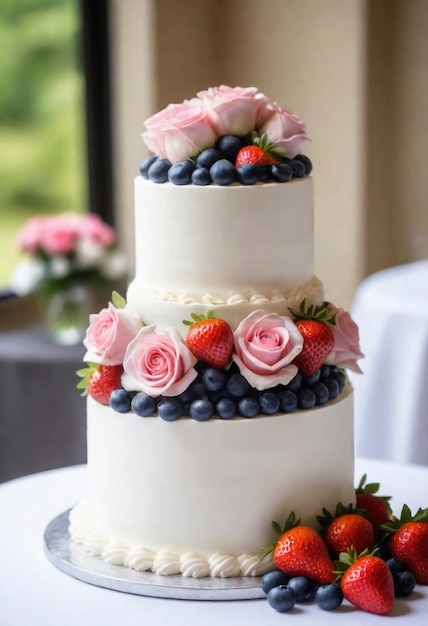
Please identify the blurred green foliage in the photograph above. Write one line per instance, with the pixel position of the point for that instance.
(42, 144)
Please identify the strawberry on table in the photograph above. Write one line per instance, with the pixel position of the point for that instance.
(345, 530)
(367, 582)
(314, 324)
(409, 541)
(376, 507)
(99, 381)
(210, 339)
(300, 551)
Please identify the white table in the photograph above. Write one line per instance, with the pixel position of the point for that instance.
(34, 593)
(391, 397)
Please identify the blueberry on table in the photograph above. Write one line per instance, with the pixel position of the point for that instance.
(223, 172)
(158, 170)
(143, 405)
(273, 579)
(181, 173)
(120, 400)
(329, 597)
(404, 584)
(282, 598)
(303, 587)
(395, 565)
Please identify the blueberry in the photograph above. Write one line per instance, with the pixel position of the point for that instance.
(158, 171)
(264, 173)
(404, 584)
(304, 588)
(226, 408)
(340, 378)
(143, 405)
(325, 371)
(144, 165)
(223, 172)
(329, 596)
(395, 565)
(297, 168)
(215, 396)
(282, 172)
(269, 403)
(237, 386)
(213, 379)
(312, 379)
(201, 176)
(247, 174)
(306, 162)
(282, 598)
(181, 173)
(333, 388)
(248, 407)
(170, 409)
(306, 399)
(201, 410)
(197, 390)
(120, 400)
(229, 146)
(288, 401)
(208, 157)
(273, 579)
(295, 383)
(321, 393)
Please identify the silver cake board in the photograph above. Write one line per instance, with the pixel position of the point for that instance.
(72, 559)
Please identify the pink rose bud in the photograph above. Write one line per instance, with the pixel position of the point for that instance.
(346, 348)
(284, 129)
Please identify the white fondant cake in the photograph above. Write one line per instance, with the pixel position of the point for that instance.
(218, 427)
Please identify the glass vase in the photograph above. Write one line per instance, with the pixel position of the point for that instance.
(67, 315)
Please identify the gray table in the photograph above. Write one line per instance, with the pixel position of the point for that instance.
(42, 415)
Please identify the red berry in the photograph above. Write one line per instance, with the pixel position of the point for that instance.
(317, 344)
(349, 530)
(211, 341)
(368, 585)
(253, 155)
(104, 380)
(410, 545)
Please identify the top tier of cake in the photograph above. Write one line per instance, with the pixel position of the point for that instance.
(228, 247)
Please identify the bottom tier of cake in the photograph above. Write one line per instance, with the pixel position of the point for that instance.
(198, 499)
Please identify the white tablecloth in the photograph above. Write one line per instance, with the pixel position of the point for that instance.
(34, 593)
(391, 397)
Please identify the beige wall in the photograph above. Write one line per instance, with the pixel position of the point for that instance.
(354, 70)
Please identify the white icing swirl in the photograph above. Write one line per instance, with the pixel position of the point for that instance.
(166, 563)
(223, 565)
(115, 552)
(194, 566)
(251, 565)
(140, 559)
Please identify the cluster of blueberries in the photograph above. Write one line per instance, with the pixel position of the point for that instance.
(227, 394)
(283, 591)
(217, 165)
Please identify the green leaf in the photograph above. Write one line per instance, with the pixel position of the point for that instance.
(118, 300)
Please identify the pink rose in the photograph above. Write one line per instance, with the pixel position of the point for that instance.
(284, 129)
(59, 234)
(233, 110)
(109, 333)
(92, 227)
(159, 363)
(179, 131)
(30, 235)
(265, 346)
(346, 348)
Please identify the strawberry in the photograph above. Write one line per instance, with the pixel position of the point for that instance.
(377, 508)
(367, 583)
(260, 152)
(314, 325)
(409, 542)
(100, 380)
(300, 551)
(347, 529)
(210, 339)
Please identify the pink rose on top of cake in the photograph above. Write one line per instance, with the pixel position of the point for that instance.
(283, 129)
(179, 131)
(232, 110)
(108, 335)
(265, 346)
(346, 348)
(158, 363)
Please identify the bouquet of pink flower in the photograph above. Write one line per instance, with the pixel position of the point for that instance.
(66, 249)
